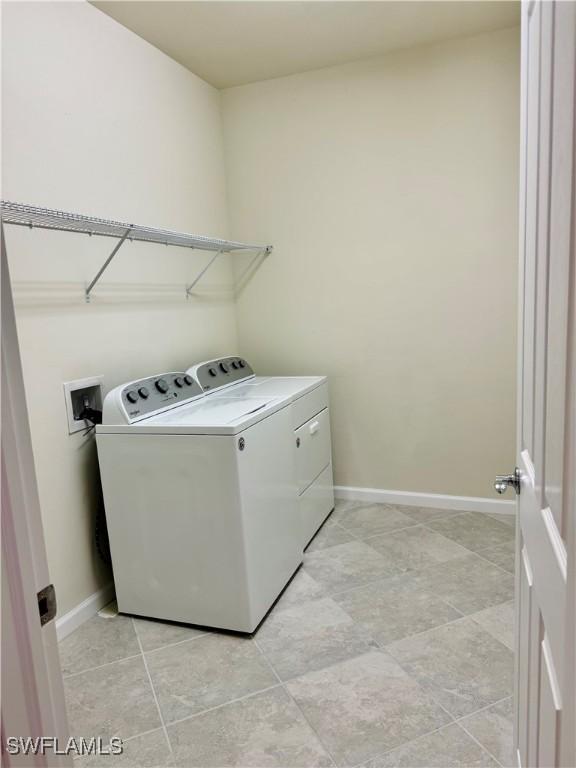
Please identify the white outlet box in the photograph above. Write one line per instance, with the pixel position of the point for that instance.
(75, 394)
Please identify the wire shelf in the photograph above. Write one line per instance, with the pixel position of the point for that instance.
(45, 218)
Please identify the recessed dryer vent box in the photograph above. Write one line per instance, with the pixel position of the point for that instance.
(78, 394)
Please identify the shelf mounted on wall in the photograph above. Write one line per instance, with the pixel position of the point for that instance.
(44, 218)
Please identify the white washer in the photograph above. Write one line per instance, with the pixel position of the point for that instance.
(308, 395)
(201, 500)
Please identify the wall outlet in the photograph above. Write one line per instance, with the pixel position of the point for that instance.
(79, 393)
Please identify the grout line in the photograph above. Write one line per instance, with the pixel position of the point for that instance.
(366, 584)
(449, 604)
(448, 538)
(385, 647)
(342, 528)
(173, 645)
(485, 749)
(412, 741)
(135, 655)
(267, 660)
(502, 544)
(144, 733)
(413, 524)
(153, 691)
(314, 731)
(398, 574)
(490, 561)
(453, 721)
(101, 666)
(225, 704)
(484, 708)
(284, 685)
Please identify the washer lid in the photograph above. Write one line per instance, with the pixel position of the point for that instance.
(222, 415)
(288, 387)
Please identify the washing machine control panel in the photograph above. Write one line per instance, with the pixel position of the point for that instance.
(221, 372)
(140, 398)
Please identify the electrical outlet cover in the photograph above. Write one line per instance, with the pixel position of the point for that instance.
(74, 391)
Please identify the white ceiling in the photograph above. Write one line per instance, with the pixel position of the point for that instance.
(232, 43)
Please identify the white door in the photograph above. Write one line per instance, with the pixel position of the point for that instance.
(545, 577)
(32, 689)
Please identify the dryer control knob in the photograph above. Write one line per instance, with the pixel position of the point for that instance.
(143, 391)
(178, 381)
(223, 367)
(189, 380)
(241, 363)
(234, 364)
(162, 386)
(212, 371)
(132, 396)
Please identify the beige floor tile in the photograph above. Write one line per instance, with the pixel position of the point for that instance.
(262, 731)
(503, 555)
(311, 636)
(301, 589)
(468, 583)
(394, 608)
(415, 548)
(494, 729)
(346, 566)
(509, 520)
(150, 750)
(206, 672)
(372, 519)
(474, 530)
(427, 514)
(450, 747)
(98, 641)
(157, 634)
(460, 664)
(329, 535)
(365, 706)
(499, 621)
(115, 700)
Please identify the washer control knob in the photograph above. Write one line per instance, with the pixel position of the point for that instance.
(143, 391)
(223, 367)
(189, 380)
(234, 364)
(241, 363)
(162, 386)
(132, 396)
(178, 381)
(212, 371)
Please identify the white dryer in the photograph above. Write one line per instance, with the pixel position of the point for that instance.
(310, 430)
(200, 497)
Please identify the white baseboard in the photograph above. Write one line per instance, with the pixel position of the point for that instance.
(436, 500)
(81, 613)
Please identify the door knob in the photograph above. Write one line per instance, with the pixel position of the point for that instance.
(503, 482)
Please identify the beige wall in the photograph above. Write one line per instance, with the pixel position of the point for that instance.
(389, 188)
(98, 121)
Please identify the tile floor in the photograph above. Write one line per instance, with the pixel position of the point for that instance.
(392, 646)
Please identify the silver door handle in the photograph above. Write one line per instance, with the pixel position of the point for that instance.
(503, 482)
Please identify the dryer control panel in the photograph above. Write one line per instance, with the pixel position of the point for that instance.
(215, 374)
(146, 396)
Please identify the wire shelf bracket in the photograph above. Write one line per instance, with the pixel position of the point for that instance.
(32, 216)
(98, 275)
